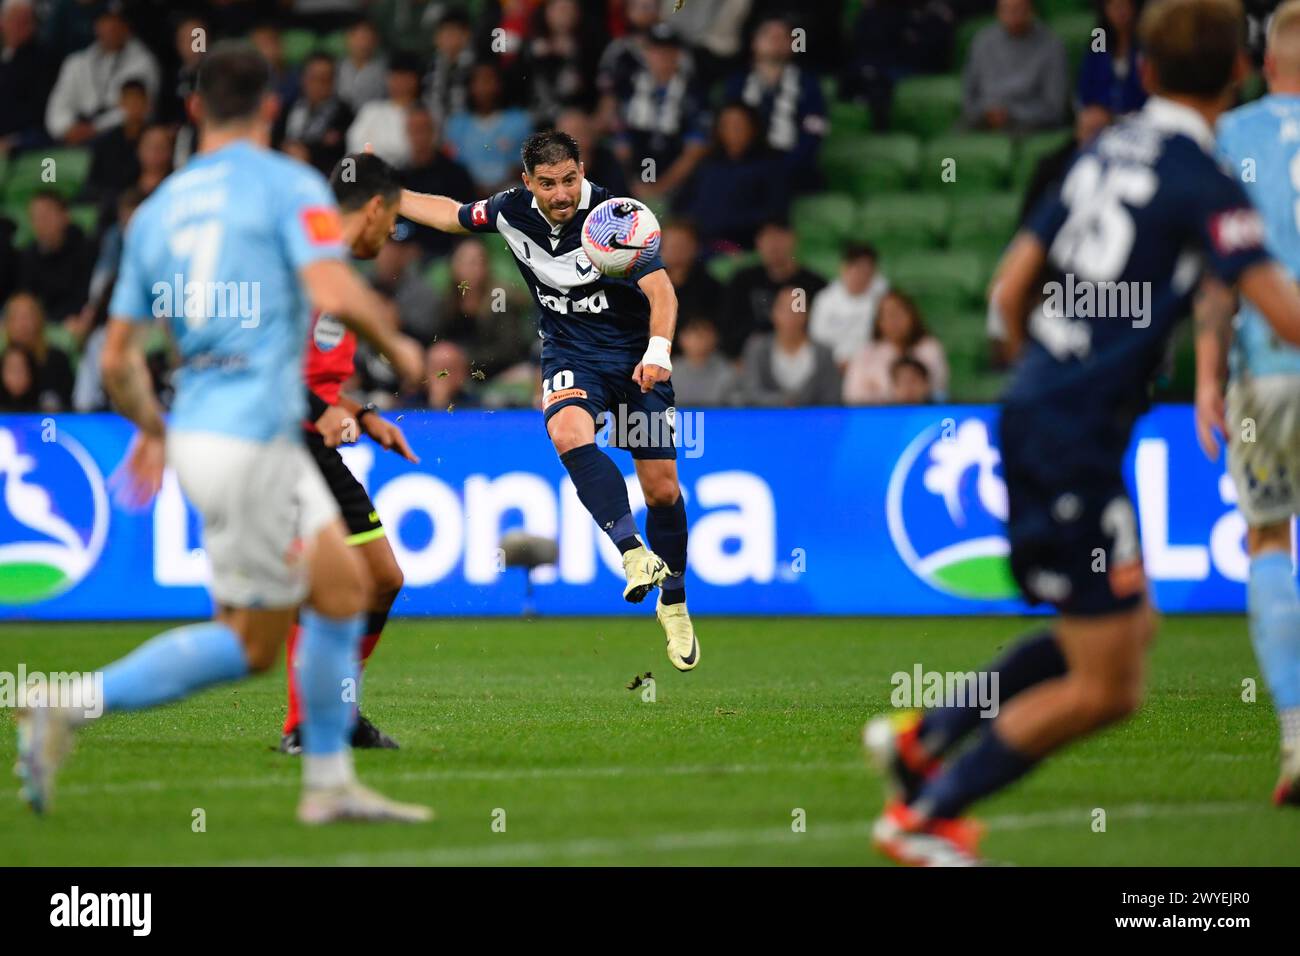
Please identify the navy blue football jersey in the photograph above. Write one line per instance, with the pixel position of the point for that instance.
(1139, 216)
(578, 307)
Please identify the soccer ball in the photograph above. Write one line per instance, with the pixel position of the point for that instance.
(620, 235)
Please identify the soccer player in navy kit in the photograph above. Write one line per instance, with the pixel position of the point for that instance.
(605, 348)
(1141, 211)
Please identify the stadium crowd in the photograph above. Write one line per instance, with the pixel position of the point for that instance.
(721, 115)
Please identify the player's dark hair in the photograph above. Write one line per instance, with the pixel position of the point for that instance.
(1193, 45)
(359, 177)
(233, 78)
(548, 148)
(854, 251)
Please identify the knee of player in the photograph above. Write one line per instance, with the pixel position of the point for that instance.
(388, 583)
(1106, 702)
(661, 493)
(261, 655)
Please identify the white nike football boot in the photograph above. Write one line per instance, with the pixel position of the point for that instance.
(683, 647)
(352, 801)
(645, 571)
(44, 742)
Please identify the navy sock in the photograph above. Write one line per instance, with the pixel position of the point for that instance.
(665, 528)
(986, 767)
(603, 492)
(1030, 661)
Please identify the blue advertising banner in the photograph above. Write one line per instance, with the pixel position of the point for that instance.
(816, 511)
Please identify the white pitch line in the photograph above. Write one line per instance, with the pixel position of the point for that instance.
(526, 773)
(505, 853)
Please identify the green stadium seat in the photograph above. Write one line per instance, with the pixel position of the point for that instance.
(16, 212)
(1075, 30)
(870, 164)
(1050, 9)
(27, 173)
(438, 275)
(85, 215)
(965, 36)
(927, 105)
(296, 44)
(824, 220)
(1031, 150)
(821, 260)
(940, 281)
(849, 117)
(904, 222)
(983, 162)
(722, 268)
(984, 223)
(335, 44)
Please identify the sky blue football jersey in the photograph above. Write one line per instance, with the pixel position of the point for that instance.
(216, 251)
(1261, 144)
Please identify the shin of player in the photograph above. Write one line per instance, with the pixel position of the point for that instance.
(1068, 416)
(270, 527)
(1261, 421)
(606, 346)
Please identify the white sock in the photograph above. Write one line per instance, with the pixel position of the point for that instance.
(327, 771)
(1290, 721)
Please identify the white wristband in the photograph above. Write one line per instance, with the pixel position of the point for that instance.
(658, 352)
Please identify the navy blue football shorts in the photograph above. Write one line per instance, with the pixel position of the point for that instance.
(1071, 524)
(644, 424)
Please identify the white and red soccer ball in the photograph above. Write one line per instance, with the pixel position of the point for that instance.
(619, 236)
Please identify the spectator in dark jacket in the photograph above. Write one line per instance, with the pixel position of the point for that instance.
(1109, 76)
(698, 293)
(27, 71)
(51, 369)
(738, 186)
(747, 304)
(788, 98)
(56, 266)
(114, 163)
(893, 39)
(431, 170)
(319, 119)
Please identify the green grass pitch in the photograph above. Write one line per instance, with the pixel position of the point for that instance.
(531, 724)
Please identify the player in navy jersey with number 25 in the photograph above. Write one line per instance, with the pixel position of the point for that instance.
(605, 348)
(1140, 215)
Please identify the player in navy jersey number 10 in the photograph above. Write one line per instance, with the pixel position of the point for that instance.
(605, 348)
(1140, 214)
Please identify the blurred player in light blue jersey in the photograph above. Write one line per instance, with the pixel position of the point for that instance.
(1261, 144)
(234, 251)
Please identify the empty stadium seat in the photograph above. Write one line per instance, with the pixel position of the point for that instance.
(1031, 150)
(68, 169)
(1075, 30)
(904, 222)
(927, 105)
(849, 117)
(867, 165)
(983, 223)
(722, 268)
(940, 281)
(825, 219)
(982, 162)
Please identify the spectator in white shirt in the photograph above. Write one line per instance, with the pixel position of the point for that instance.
(363, 72)
(85, 97)
(382, 123)
(844, 312)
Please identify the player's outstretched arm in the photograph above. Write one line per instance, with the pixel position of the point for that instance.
(335, 289)
(1013, 286)
(1212, 314)
(656, 365)
(1276, 296)
(436, 212)
(126, 380)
